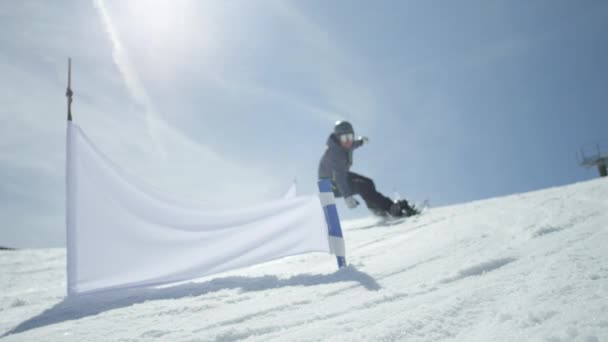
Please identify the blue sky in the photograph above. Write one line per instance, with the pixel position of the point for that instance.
(228, 101)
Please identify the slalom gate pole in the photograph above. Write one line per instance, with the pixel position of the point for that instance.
(69, 219)
(334, 230)
(68, 92)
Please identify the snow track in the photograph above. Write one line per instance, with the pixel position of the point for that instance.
(529, 267)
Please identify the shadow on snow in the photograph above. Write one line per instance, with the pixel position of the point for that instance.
(76, 307)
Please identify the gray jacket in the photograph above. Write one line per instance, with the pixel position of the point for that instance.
(335, 164)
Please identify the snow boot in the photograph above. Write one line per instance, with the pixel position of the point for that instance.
(403, 209)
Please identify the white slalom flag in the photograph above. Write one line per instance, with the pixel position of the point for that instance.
(292, 192)
(121, 233)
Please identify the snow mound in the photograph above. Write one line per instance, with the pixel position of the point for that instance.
(528, 267)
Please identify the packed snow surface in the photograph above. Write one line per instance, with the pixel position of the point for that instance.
(528, 267)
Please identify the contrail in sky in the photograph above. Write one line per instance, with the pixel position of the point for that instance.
(134, 85)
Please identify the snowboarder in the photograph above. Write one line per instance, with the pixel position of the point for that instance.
(335, 165)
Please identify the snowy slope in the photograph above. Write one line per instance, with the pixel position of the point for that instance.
(529, 267)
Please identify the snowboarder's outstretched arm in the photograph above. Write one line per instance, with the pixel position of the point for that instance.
(360, 142)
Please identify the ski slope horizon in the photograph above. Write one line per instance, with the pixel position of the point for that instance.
(529, 266)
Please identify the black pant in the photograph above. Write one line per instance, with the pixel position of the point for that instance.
(366, 188)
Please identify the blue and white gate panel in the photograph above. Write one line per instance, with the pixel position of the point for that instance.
(336, 240)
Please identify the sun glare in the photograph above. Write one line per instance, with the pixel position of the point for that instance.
(169, 32)
(160, 17)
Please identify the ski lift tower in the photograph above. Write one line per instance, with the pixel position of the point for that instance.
(595, 156)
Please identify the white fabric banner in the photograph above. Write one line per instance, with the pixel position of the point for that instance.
(121, 233)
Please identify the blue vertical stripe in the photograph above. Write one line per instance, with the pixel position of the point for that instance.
(325, 185)
(333, 221)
